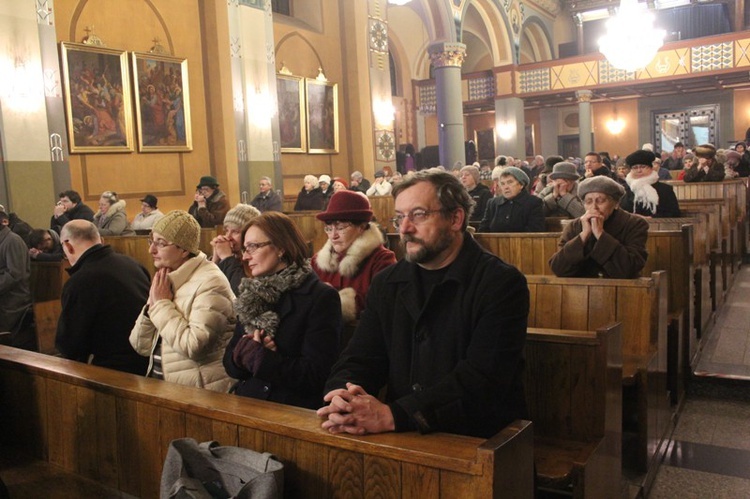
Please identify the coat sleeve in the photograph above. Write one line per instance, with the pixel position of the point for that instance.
(116, 226)
(75, 324)
(623, 260)
(572, 205)
(489, 214)
(307, 372)
(143, 334)
(566, 262)
(194, 336)
(668, 204)
(16, 264)
(534, 215)
(692, 175)
(213, 214)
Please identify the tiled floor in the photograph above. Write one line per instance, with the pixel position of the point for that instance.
(710, 453)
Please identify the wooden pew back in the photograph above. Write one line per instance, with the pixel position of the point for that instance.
(311, 228)
(115, 427)
(47, 280)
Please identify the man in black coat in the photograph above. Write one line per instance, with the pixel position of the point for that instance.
(100, 302)
(443, 330)
(69, 207)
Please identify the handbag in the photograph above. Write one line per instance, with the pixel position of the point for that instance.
(210, 471)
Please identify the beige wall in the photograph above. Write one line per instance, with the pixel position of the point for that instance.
(626, 141)
(741, 113)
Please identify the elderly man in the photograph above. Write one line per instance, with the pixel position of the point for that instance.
(228, 246)
(592, 162)
(100, 301)
(210, 204)
(674, 161)
(358, 182)
(69, 207)
(605, 241)
(479, 192)
(443, 330)
(267, 199)
(188, 318)
(708, 168)
(15, 295)
(561, 194)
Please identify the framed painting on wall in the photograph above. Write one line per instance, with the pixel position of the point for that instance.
(290, 92)
(322, 116)
(163, 110)
(96, 85)
(485, 141)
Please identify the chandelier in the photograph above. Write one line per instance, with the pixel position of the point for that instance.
(398, 2)
(631, 41)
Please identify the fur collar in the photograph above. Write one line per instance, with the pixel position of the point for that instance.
(112, 211)
(644, 191)
(348, 266)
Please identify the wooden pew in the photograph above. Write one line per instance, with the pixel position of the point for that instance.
(311, 228)
(47, 280)
(383, 209)
(137, 248)
(114, 428)
(574, 392)
(46, 315)
(641, 306)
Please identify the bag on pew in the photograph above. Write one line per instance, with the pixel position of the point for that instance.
(208, 470)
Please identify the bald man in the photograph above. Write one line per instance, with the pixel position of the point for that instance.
(100, 301)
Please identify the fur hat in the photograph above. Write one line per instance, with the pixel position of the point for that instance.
(640, 157)
(207, 181)
(324, 179)
(180, 228)
(648, 146)
(551, 161)
(564, 170)
(347, 205)
(517, 173)
(707, 151)
(240, 215)
(603, 184)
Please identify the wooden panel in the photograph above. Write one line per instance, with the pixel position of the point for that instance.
(129, 455)
(47, 280)
(150, 449)
(346, 474)
(46, 316)
(312, 461)
(572, 314)
(383, 209)
(382, 477)
(420, 482)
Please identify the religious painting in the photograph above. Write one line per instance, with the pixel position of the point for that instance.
(96, 84)
(485, 141)
(290, 92)
(163, 110)
(322, 117)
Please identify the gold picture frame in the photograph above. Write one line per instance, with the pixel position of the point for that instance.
(290, 91)
(163, 103)
(96, 88)
(322, 116)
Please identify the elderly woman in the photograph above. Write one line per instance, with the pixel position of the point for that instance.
(561, 194)
(228, 246)
(149, 214)
(287, 337)
(111, 219)
(354, 252)
(707, 169)
(310, 197)
(188, 318)
(514, 210)
(339, 184)
(646, 194)
(605, 241)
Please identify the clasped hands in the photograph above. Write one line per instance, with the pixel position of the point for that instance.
(161, 288)
(352, 410)
(222, 248)
(592, 222)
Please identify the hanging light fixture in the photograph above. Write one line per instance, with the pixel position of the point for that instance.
(631, 41)
(398, 2)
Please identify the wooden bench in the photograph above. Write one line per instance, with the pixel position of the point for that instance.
(310, 227)
(47, 280)
(641, 306)
(574, 392)
(114, 428)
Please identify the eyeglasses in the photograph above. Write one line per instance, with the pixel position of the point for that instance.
(337, 226)
(640, 167)
(161, 244)
(251, 248)
(416, 217)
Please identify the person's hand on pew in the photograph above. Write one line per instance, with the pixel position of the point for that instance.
(161, 288)
(353, 410)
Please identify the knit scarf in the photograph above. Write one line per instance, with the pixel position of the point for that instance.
(258, 295)
(645, 194)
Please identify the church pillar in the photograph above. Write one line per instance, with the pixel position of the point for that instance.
(584, 121)
(510, 127)
(447, 59)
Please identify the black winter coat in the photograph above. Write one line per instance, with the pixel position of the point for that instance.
(307, 343)
(668, 206)
(454, 364)
(100, 303)
(523, 213)
(78, 212)
(310, 200)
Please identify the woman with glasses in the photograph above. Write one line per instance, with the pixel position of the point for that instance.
(354, 252)
(646, 195)
(188, 318)
(111, 219)
(289, 323)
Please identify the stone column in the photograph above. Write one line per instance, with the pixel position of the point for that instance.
(447, 58)
(584, 121)
(580, 44)
(510, 127)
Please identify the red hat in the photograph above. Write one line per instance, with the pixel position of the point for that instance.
(347, 205)
(339, 179)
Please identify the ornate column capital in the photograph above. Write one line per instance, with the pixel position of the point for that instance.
(584, 95)
(447, 54)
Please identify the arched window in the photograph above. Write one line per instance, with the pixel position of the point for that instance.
(394, 78)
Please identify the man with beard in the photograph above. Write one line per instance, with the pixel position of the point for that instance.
(442, 330)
